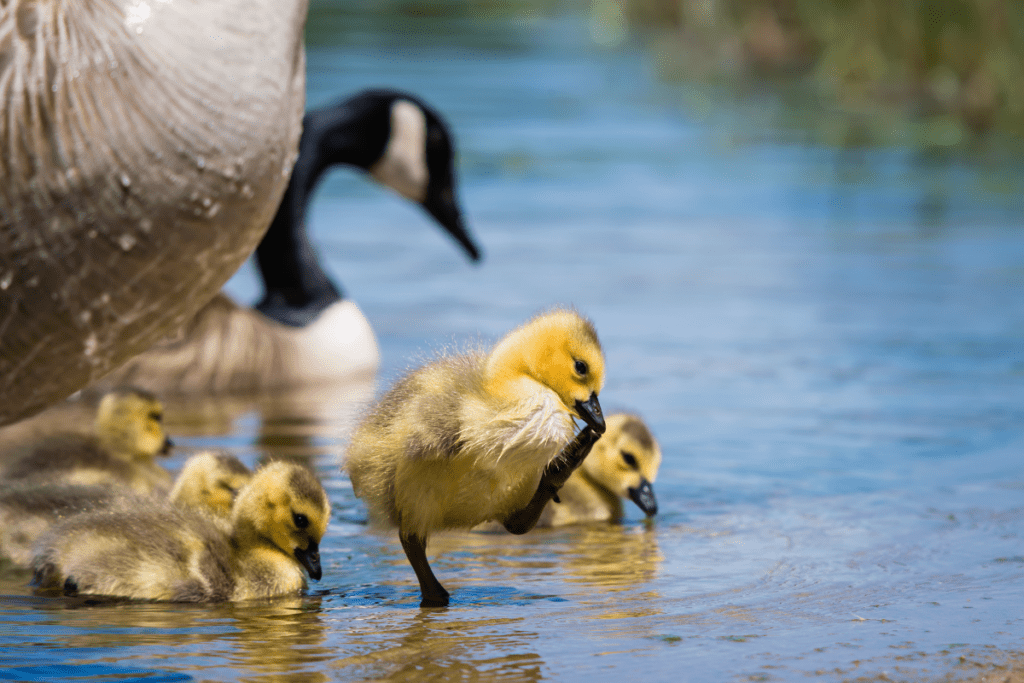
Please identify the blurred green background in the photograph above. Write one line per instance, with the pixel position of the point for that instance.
(923, 73)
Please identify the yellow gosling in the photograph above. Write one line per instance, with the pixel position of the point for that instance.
(28, 510)
(210, 481)
(165, 552)
(207, 483)
(128, 436)
(480, 436)
(622, 465)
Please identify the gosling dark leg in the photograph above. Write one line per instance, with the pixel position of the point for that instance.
(431, 590)
(555, 475)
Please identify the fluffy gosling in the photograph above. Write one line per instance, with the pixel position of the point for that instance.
(622, 465)
(165, 552)
(480, 436)
(128, 436)
(28, 510)
(210, 481)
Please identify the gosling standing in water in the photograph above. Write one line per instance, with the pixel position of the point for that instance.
(623, 465)
(128, 436)
(475, 437)
(165, 552)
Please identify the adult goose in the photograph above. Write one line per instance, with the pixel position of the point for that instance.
(144, 149)
(303, 332)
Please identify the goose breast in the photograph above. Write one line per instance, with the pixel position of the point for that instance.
(145, 148)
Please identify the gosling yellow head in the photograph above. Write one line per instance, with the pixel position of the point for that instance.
(210, 481)
(625, 461)
(129, 424)
(559, 350)
(284, 507)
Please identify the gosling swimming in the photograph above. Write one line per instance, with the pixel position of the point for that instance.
(207, 482)
(28, 510)
(480, 436)
(165, 552)
(128, 436)
(622, 465)
(210, 481)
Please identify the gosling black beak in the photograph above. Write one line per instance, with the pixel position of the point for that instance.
(644, 498)
(168, 445)
(590, 412)
(310, 559)
(441, 205)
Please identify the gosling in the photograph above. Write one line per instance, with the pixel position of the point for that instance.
(28, 510)
(623, 464)
(169, 553)
(128, 436)
(208, 482)
(474, 437)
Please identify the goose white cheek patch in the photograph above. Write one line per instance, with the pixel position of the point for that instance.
(404, 164)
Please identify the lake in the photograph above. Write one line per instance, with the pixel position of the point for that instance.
(826, 342)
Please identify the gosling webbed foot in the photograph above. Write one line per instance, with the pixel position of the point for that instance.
(432, 592)
(555, 475)
(437, 600)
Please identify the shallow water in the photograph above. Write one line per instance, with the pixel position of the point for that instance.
(827, 344)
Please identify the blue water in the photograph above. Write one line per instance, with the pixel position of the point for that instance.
(827, 344)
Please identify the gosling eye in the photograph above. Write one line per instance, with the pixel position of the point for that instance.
(581, 368)
(629, 459)
(156, 417)
(301, 521)
(228, 488)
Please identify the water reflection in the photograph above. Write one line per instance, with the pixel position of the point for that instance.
(613, 557)
(591, 563)
(283, 640)
(301, 413)
(271, 641)
(431, 646)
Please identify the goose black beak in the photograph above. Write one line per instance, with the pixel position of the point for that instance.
(168, 445)
(310, 559)
(644, 498)
(445, 211)
(590, 412)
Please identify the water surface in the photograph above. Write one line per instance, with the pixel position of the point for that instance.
(827, 344)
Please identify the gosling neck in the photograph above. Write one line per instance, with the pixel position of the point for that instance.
(297, 289)
(246, 538)
(262, 569)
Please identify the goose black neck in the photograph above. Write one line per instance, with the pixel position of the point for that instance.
(297, 289)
